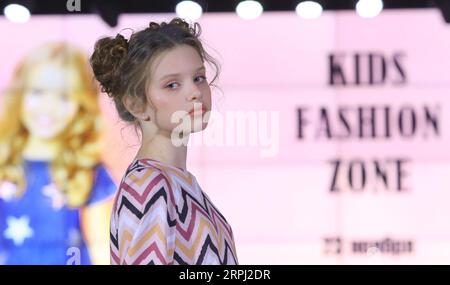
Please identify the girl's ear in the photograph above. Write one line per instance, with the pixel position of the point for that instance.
(135, 106)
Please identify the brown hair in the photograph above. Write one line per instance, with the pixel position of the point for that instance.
(121, 66)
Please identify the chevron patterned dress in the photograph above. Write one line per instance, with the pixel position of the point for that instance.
(162, 216)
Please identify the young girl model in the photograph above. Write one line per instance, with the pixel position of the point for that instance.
(55, 194)
(161, 215)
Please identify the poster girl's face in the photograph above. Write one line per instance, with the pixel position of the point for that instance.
(178, 83)
(48, 106)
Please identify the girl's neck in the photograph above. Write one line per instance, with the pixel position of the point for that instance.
(161, 148)
(41, 149)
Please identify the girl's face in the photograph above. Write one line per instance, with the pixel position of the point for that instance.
(47, 106)
(179, 83)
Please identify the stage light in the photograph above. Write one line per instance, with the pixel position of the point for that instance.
(369, 8)
(189, 10)
(249, 9)
(309, 9)
(17, 13)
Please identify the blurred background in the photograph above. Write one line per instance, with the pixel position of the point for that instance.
(328, 144)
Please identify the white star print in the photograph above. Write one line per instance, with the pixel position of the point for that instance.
(58, 198)
(7, 190)
(18, 229)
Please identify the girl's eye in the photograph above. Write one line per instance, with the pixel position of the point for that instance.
(37, 91)
(171, 84)
(64, 96)
(202, 77)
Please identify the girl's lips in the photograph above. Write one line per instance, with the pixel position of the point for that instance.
(197, 112)
(44, 120)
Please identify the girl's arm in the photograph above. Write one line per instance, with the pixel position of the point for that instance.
(95, 226)
(145, 229)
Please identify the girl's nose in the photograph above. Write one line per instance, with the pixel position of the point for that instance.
(195, 93)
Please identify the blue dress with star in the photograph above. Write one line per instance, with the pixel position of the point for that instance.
(38, 228)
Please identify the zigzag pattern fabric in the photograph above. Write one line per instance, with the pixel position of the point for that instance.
(162, 216)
